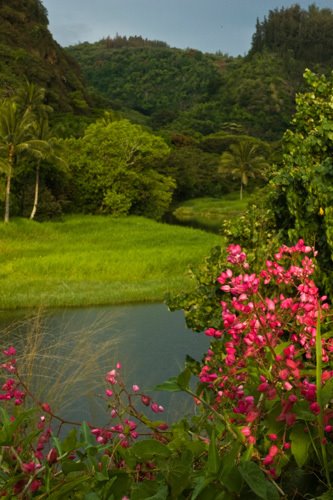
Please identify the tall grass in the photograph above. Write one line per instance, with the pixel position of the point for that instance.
(95, 260)
(60, 368)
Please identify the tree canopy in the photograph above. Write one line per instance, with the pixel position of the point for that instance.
(307, 35)
(115, 170)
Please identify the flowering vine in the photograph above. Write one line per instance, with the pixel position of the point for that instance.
(262, 362)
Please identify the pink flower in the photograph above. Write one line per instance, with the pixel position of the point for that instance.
(135, 388)
(52, 456)
(274, 450)
(11, 351)
(315, 408)
(46, 407)
(145, 400)
(246, 431)
(210, 332)
(35, 485)
(157, 408)
(163, 427)
(111, 377)
(268, 460)
(30, 467)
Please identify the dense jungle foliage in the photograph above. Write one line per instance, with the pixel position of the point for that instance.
(218, 119)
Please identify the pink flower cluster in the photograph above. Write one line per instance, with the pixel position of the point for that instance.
(40, 451)
(11, 387)
(264, 354)
(126, 429)
(30, 464)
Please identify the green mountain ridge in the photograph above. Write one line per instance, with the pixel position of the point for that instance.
(182, 91)
(28, 50)
(149, 78)
(198, 93)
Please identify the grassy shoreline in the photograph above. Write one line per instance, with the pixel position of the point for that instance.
(210, 213)
(96, 260)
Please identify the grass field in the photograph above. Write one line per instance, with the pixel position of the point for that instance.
(209, 213)
(95, 260)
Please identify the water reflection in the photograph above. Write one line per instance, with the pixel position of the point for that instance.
(150, 342)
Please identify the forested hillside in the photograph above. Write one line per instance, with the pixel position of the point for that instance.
(149, 77)
(216, 120)
(192, 92)
(27, 50)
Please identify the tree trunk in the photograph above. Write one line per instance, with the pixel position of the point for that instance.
(241, 191)
(34, 208)
(6, 219)
(9, 178)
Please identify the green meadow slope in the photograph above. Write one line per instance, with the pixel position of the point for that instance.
(95, 260)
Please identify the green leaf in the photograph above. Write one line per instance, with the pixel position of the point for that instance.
(233, 481)
(229, 459)
(86, 435)
(69, 487)
(328, 495)
(202, 483)
(149, 448)
(256, 480)
(150, 490)
(92, 496)
(169, 385)
(212, 492)
(118, 485)
(57, 444)
(178, 472)
(196, 447)
(70, 466)
(101, 477)
(303, 412)
(327, 392)
(213, 459)
(70, 442)
(300, 443)
(183, 379)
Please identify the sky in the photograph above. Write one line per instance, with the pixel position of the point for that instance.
(207, 25)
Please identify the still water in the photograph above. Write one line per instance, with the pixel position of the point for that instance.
(76, 347)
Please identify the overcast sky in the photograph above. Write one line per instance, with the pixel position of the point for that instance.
(207, 25)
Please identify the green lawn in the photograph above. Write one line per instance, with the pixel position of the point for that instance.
(210, 213)
(92, 260)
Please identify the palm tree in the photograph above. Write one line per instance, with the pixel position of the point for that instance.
(44, 134)
(243, 160)
(32, 97)
(16, 137)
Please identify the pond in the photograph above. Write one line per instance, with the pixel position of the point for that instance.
(66, 353)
